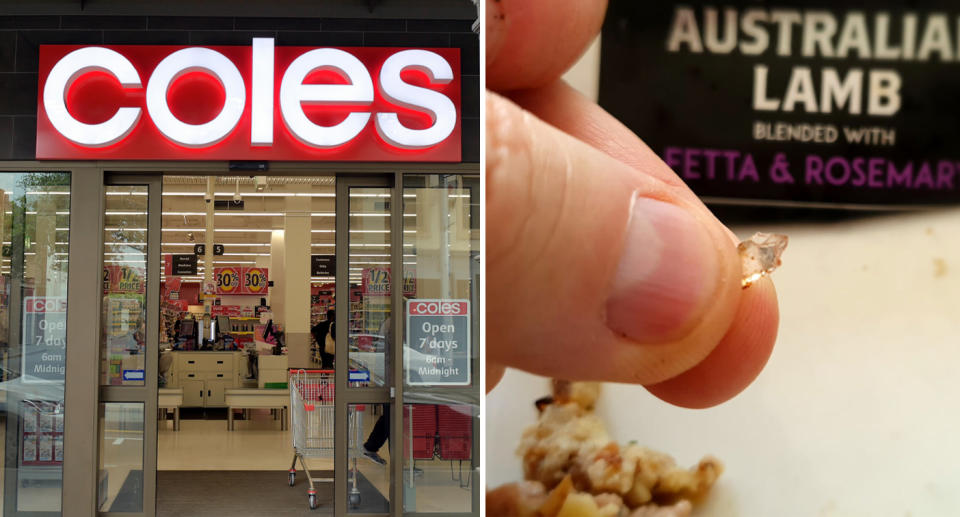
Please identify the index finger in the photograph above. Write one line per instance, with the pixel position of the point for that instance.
(531, 43)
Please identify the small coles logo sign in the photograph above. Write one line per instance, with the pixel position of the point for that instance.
(438, 308)
(257, 102)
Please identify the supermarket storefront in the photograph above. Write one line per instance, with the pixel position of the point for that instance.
(193, 208)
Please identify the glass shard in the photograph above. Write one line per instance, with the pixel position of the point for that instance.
(760, 255)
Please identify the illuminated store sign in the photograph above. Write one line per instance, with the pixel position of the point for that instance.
(257, 102)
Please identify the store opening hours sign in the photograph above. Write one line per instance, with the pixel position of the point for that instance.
(44, 339)
(241, 280)
(438, 342)
(255, 102)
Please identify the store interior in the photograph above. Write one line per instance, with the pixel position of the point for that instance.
(247, 287)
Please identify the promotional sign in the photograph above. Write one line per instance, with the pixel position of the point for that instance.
(123, 279)
(41, 433)
(241, 280)
(323, 265)
(438, 342)
(255, 280)
(227, 279)
(256, 102)
(376, 281)
(44, 338)
(180, 265)
(846, 105)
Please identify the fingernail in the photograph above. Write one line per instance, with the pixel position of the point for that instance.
(666, 271)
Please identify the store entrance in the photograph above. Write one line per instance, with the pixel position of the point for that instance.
(245, 300)
(219, 317)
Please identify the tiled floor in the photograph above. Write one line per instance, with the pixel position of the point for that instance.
(259, 444)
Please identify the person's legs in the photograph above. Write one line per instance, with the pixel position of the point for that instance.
(326, 360)
(378, 436)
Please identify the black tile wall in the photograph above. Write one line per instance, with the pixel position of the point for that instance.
(344, 24)
(282, 24)
(29, 22)
(469, 45)
(19, 94)
(439, 25)
(146, 37)
(28, 44)
(189, 23)
(470, 140)
(406, 39)
(21, 36)
(6, 138)
(470, 89)
(25, 138)
(228, 37)
(8, 51)
(103, 22)
(317, 39)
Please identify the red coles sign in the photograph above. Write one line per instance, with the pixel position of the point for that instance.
(257, 102)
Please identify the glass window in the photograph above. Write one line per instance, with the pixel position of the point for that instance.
(35, 220)
(124, 319)
(369, 335)
(441, 243)
(120, 477)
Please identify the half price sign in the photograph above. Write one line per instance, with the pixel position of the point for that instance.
(241, 280)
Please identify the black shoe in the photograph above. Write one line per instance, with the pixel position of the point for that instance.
(374, 457)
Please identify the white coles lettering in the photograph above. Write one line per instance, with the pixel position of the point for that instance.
(194, 60)
(442, 112)
(293, 92)
(65, 72)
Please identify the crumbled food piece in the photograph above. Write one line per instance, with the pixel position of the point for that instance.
(527, 499)
(679, 509)
(522, 499)
(584, 394)
(569, 453)
(760, 255)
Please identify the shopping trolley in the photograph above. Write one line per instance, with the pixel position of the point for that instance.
(311, 404)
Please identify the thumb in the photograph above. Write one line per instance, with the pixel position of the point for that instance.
(595, 270)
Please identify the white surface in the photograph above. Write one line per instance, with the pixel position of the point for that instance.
(856, 414)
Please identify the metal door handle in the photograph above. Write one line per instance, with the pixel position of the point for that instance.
(208, 393)
(219, 375)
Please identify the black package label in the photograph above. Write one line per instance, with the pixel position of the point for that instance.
(816, 103)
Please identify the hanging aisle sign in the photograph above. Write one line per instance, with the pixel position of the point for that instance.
(256, 102)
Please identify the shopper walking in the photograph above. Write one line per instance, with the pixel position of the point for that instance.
(319, 332)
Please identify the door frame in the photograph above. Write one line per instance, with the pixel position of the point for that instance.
(147, 393)
(345, 395)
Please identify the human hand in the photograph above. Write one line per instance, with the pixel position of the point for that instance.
(601, 263)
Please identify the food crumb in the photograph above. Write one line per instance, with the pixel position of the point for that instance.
(939, 267)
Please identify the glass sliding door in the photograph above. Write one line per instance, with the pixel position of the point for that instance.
(364, 376)
(127, 409)
(441, 348)
(34, 220)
